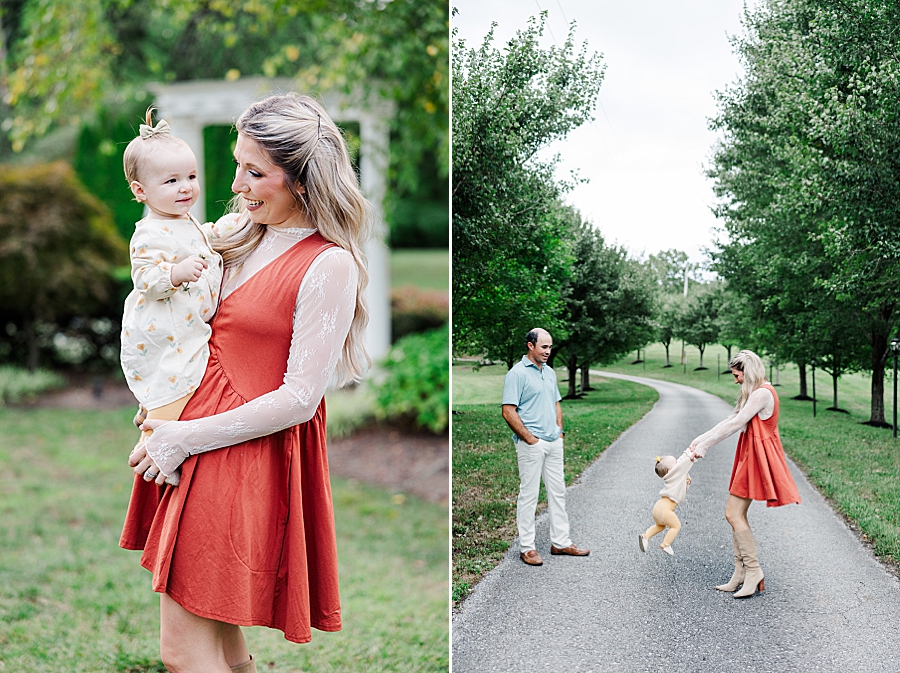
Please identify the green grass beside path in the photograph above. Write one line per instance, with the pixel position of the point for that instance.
(485, 472)
(71, 600)
(855, 466)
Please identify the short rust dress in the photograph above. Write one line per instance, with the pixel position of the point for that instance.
(248, 536)
(760, 469)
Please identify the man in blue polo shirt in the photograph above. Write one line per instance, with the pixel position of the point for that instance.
(532, 410)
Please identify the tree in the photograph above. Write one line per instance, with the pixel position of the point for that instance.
(60, 62)
(668, 318)
(509, 253)
(698, 320)
(609, 304)
(674, 272)
(733, 321)
(807, 168)
(58, 247)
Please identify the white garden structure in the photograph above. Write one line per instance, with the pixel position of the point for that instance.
(191, 106)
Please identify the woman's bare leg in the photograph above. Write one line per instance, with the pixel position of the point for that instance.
(193, 644)
(736, 513)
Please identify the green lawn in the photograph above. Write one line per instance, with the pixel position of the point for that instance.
(425, 269)
(485, 472)
(72, 600)
(855, 466)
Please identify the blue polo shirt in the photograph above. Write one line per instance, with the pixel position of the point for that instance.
(535, 394)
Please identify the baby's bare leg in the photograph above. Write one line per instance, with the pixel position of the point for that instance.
(168, 412)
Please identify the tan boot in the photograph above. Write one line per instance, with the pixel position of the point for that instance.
(753, 574)
(249, 667)
(737, 579)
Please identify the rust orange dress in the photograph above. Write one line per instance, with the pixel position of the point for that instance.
(248, 536)
(760, 469)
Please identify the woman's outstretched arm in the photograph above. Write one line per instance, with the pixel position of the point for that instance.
(759, 399)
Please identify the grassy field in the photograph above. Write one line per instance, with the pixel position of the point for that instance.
(855, 466)
(485, 472)
(425, 269)
(72, 600)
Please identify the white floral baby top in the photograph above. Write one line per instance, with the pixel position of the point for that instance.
(165, 333)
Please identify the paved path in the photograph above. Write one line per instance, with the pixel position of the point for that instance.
(828, 605)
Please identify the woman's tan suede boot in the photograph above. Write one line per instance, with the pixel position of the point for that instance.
(249, 667)
(753, 574)
(737, 579)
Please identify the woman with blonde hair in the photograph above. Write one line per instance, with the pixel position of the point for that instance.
(760, 469)
(247, 537)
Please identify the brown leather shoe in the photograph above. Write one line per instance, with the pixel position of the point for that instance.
(571, 550)
(532, 558)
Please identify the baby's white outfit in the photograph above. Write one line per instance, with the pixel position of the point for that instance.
(165, 334)
(676, 480)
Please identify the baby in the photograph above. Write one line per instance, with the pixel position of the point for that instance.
(675, 475)
(176, 274)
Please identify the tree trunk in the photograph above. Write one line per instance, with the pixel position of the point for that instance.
(573, 374)
(801, 368)
(879, 358)
(834, 385)
(728, 350)
(701, 349)
(552, 357)
(585, 378)
(33, 358)
(666, 344)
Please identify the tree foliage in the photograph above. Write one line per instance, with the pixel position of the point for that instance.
(609, 303)
(509, 253)
(62, 60)
(807, 176)
(699, 318)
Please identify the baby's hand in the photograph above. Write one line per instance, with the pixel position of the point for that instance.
(187, 270)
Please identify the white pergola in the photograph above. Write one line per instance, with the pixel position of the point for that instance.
(191, 106)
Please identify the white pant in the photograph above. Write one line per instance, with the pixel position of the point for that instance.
(536, 460)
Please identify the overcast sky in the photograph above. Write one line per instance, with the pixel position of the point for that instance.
(644, 154)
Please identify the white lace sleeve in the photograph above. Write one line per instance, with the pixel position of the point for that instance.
(759, 399)
(324, 311)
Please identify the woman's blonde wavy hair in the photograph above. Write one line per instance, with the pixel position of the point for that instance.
(754, 374)
(303, 141)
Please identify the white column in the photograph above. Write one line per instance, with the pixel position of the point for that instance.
(190, 130)
(374, 139)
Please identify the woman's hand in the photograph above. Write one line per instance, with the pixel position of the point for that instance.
(160, 448)
(144, 465)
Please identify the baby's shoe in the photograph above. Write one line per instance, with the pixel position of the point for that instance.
(667, 549)
(642, 541)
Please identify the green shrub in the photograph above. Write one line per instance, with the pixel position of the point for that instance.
(17, 384)
(417, 223)
(415, 383)
(58, 249)
(414, 310)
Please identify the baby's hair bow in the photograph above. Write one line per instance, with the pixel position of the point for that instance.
(658, 459)
(161, 129)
